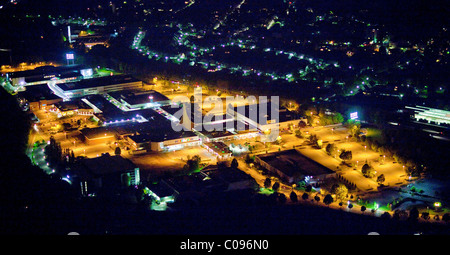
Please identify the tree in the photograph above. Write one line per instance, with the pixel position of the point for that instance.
(317, 198)
(248, 159)
(345, 155)
(53, 152)
(355, 130)
(350, 206)
(313, 139)
(301, 124)
(234, 163)
(381, 179)
(293, 197)
(193, 164)
(414, 214)
(446, 217)
(71, 157)
(385, 216)
(298, 133)
(400, 214)
(328, 199)
(308, 188)
(282, 198)
(305, 196)
(363, 209)
(363, 139)
(276, 186)
(340, 190)
(412, 171)
(301, 184)
(425, 215)
(338, 118)
(267, 183)
(117, 151)
(331, 149)
(367, 171)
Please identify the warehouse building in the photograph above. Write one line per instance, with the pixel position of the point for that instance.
(100, 85)
(292, 166)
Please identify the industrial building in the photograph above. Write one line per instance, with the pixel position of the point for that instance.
(71, 108)
(218, 149)
(44, 74)
(292, 166)
(104, 174)
(38, 97)
(100, 85)
(130, 100)
(265, 116)
(430, 115)
(164, 140)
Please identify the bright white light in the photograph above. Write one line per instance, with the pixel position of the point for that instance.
(354, 115)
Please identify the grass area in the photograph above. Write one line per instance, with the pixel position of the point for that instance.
(106, 72)
(374, 133)
(265, 191)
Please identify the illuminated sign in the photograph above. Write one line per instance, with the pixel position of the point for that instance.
(354, 115)
(69, 56)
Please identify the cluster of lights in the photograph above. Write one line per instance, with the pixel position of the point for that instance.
(77, 21)
(193, 52)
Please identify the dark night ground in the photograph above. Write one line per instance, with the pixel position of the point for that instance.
(225, 216)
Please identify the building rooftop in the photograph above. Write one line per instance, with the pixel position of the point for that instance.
(221, 127)
(97, 82)
(263, 112)
(161, 135)
(198, 181)
(71, 105)
(161, 189)
(105, 164)
(140, 138)
(228, 174)
(109, 111)
(218, 147)
(136, 97)
(292, 161)
(155, 131)
(38, 92)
